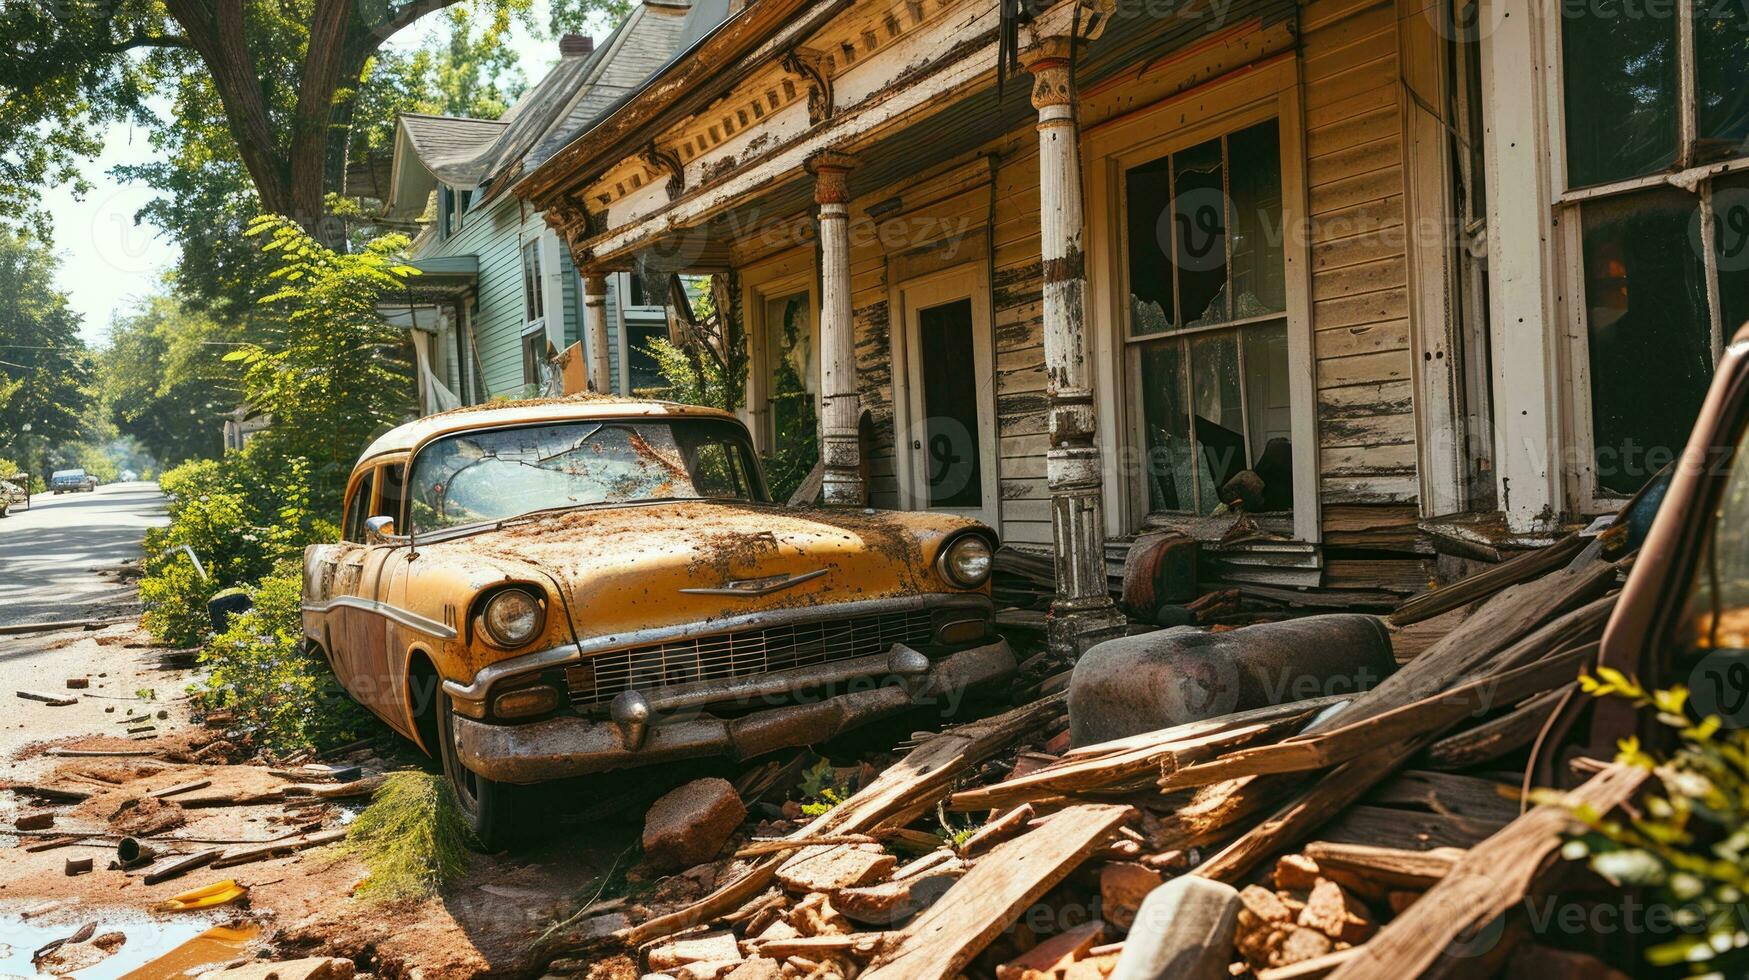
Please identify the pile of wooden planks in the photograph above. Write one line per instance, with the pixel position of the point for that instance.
(1361, 835)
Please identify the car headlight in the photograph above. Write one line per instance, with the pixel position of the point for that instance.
(512, 617)
(966, 561)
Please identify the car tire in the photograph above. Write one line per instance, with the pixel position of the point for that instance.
(488, 807)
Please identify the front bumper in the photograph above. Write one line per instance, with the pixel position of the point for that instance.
(573, 746)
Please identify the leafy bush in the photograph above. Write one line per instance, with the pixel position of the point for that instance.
(239, 516)
(1688, 845)
(411, 838)
(283, 697)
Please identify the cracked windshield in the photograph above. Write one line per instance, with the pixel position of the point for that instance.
(488, 476)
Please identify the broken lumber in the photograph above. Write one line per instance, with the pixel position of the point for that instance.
(52, 700)
(1390, 867)
(903, 792)
(941, 941)
(278, 848)
(1493, 877)
(188, 787)
(1153, 753)
(1481, 585)
(1497, 737)
(180, 867)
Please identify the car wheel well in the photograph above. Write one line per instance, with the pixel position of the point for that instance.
(424, 687)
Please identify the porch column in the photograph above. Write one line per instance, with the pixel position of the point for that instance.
(595, 330)
(839, 448)
(1521, 274)
(1082, 612)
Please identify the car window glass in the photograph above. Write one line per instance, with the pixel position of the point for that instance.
(355, 511)
(1718, 602)
(481, 476)
(394, 491)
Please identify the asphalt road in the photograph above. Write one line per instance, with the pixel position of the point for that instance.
(57, 558)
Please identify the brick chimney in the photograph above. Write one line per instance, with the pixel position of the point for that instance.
(576, 44)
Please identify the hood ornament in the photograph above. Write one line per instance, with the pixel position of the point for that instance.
(758, 586)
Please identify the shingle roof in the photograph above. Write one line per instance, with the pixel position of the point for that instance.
(466, 153)
(449, 146)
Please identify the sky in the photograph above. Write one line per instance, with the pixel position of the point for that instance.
(108, 263)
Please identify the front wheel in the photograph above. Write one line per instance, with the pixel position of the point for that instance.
(487, 806)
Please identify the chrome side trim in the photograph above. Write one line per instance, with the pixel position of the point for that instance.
(759, 587)
(475, 690)
(402, 616)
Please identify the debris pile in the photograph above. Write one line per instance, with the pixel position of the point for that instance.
(1348, 834)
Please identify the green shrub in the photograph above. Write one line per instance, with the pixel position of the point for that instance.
(411, 838)
(239, 515)
(283, 696)
(1688, 845)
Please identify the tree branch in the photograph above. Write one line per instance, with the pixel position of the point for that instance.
(392, 24)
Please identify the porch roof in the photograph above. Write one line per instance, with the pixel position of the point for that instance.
(943, 110)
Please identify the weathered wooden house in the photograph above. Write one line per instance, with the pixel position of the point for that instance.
(497, 291)
(1427, 269)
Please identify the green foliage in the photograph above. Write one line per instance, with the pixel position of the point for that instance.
(332, 374)
(795, 425)
(411, 838)
(691, 381)
(240, 516)
(44, 367)
(821, 790)
(282, 695)
(1688, 845)
(165, 381)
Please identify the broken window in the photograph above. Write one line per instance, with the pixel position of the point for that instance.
(1207, 330)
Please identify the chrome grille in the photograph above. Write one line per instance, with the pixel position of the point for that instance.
(725, 655)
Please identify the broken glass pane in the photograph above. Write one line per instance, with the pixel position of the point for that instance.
(1148, 229)
(1217, 412)
(1254, 177)
(1171, 477)
(1269, 413)
(1650, 332)
(1619, 77)
(1200, 209)
(1721, 77)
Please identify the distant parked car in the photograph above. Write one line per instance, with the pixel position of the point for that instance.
(12, 492)
(127, 476)
(71, 481)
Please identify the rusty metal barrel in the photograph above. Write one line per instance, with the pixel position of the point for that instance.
(1142, 683)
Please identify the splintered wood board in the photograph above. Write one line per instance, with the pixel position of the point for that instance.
(998, 889)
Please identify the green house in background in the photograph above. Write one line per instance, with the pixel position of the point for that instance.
(498, 294)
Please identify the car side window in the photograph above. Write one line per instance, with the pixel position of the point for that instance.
(394, 492)
(1714, 630)
(358, 508)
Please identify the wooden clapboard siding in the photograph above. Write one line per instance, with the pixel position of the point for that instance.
(1017, 308)
(1360, 301)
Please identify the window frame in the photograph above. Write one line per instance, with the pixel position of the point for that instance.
(1270, 90)
(794, 271)
(1568, 202)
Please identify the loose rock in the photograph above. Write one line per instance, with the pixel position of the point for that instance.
(690, 824)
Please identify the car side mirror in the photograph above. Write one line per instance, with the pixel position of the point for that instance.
(380, 530)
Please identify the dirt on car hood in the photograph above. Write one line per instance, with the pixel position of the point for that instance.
(636, 567)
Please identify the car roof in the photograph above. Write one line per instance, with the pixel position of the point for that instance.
(409, 436)
(66, 473)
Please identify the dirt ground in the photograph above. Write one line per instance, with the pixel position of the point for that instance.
(303, 902)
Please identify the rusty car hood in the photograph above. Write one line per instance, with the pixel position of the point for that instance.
(672, 564)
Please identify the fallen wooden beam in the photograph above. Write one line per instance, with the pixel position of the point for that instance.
(1497, 737)
(188, 787)
(942, 940)
(278, 848)
(180, 867)
(1389, 866)
(1490, 880)
(52, 700)
(1483, 584)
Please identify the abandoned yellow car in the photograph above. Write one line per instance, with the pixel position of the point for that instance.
(568, 586)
